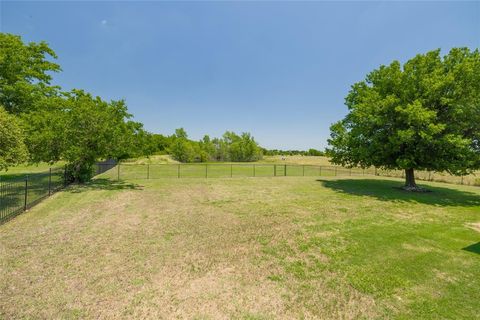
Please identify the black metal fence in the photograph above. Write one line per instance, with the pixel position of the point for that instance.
(222, 170)
(104, 166)
(19, 194)
(126, 171)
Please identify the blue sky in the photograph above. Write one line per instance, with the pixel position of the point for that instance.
(279, 70)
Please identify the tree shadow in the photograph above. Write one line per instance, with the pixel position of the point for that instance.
(475, 248)
(388, 190)
(104, 184)
(12, 176)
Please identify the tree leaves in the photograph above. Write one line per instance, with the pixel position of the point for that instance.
(12, 148)
(425, 115)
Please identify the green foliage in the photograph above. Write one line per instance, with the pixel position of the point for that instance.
(425, 116)
(231, 147)
(310, 152)
(82, 129)
(182, 150)
(94, 129)
(12, 147)
(71, 126)
(242, 148)
(24, 73)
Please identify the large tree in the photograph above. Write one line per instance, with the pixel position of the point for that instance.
(25, 73)
(80, 129)
(72, 126)
(422, 116)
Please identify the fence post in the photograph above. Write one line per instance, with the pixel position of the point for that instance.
(461, 180)
(335, 171)
(65, 176)
(118, 171)
(231, 170)
(350, 171)
(26, 194)
(376, 172)
(274, 170)
(49, 181)
(303, 171)
(254, 170)
(148, 170)
(178, 171)
(285, 171)
(320, 170)
(206, 171)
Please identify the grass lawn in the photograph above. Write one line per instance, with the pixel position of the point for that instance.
(22, 170)
(245, 248)
(472, 179)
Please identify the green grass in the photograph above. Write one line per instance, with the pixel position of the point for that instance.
(129, 171)
(12, 191)
(245, 248)
(22, 170)
(315, 161)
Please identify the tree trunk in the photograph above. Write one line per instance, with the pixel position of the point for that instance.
(410, 179)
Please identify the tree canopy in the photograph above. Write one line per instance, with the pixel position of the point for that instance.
(25, 73)
(47, 124)
(12, 148)
(424, 115)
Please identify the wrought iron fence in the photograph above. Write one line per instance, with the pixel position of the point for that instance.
(127, 171)
(19, 194)
(222, 170)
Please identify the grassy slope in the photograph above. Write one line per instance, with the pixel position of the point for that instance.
(245, 248)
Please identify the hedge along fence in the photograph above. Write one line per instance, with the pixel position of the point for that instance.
(220, 170)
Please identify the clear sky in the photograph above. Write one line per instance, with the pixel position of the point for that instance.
(279, 70)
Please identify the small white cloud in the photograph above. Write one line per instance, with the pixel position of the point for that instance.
(104, 22)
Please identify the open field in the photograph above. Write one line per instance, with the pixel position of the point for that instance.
(154, 159)
(307, 160)
(245, 248)
(473, 179)
(303, 160)
(22, 170)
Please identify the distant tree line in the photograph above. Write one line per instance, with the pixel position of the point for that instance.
(309, 152)
(230, 147)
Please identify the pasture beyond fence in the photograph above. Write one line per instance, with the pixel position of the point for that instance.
(127, 171)
(19, 194)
